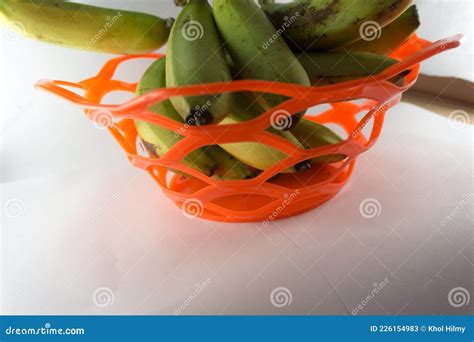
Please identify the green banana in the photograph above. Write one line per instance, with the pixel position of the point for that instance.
(392, 35)
(327, 24)
(196, 56)
(86, 27)
(333, 67)
(257, 155)
(158, 140)
(256, 49)
(312, 135)
(210, 160)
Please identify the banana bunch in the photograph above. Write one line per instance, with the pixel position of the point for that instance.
(212, 161)
(304, 42)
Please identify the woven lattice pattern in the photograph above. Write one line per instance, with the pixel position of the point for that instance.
(259, 198)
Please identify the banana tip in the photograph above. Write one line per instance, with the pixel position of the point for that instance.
(199, 117)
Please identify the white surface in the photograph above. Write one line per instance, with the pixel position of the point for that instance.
(444, 18)
(90, 220)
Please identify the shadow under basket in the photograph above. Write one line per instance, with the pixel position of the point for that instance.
(268, 196)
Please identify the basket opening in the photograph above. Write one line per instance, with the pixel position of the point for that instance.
(131, 70)
(316, 111)
(117, 97)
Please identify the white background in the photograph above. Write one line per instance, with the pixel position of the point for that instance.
(89, 220)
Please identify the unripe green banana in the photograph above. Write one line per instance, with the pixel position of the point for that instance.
(210, 160)
(196, 56)
(159, 140)
(86, 27)
(312, 135)
(257, 155)
(333, 67)
(255, 48)
(311, 25)
(392, 35)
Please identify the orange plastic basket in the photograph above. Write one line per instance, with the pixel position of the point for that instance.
(265, 197)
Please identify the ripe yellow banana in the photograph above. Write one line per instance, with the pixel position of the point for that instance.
(255, 48)
(257, 155)
(86, 27)
(196, 56)
(392, 36)
(211, 160)
(311, 25)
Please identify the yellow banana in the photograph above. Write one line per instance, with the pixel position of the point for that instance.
(86, 27)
